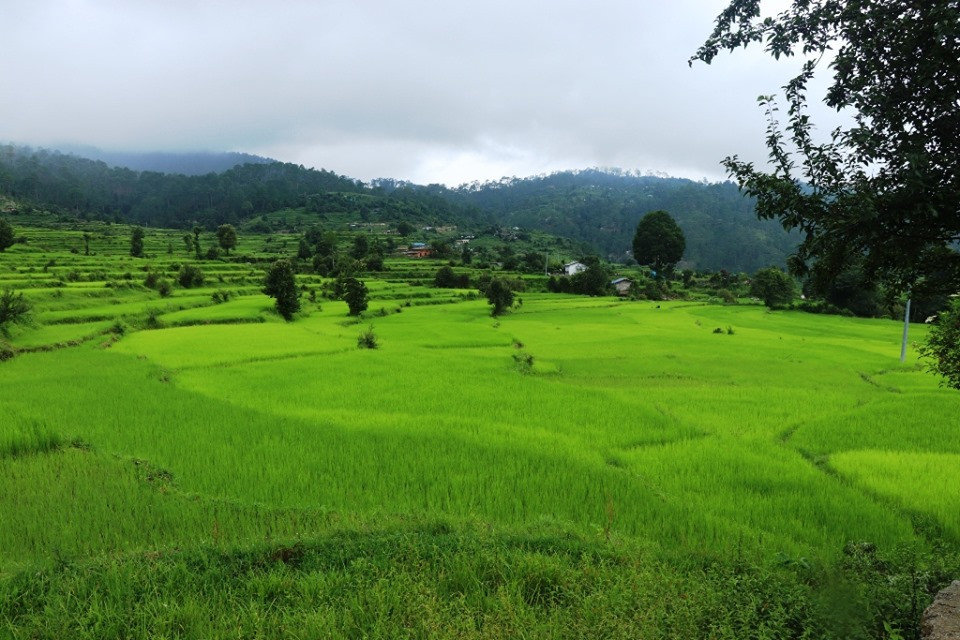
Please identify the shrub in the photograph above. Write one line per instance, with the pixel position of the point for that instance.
(727, 296)
(367, 339)
(190, 276)
(220, 296)
(13, 310)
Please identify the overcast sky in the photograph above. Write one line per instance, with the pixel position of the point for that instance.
(428, 91)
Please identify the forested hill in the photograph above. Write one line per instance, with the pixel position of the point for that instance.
(93, 189)
(602, 208)
(595, 207)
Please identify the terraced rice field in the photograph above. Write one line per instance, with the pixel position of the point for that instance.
(629, 425)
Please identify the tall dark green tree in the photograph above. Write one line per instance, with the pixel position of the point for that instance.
(281, 284)
(883, 191)
(355, 294)
(6, 235)
(136, 242)
(658, 241)
(227, 237)
(499, 295)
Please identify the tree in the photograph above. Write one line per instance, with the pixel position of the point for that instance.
(445, 278)
(355, 294)
(941, 346)
(6, 235)
(404, 228)
(280, 283)
(197, 230)
(361, 246)
(775, 287)
(136, 242)
(499, 295)
(86, 244)
(658, 241)
(592, 281)
(884, 190)
(227, 237)
(303, 250)
(13, 310)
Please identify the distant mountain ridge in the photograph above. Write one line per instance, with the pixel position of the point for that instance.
(195, 163)
(600, 208)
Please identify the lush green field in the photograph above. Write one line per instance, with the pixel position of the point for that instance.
(581, 467)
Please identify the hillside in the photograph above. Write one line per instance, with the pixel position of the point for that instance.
(603, 208)
(597, 208)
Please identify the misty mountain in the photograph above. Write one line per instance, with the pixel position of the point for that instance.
(189, 163)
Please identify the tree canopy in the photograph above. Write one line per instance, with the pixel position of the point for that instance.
(227, 237)
(6, 235)
(136, 242)
(772, 285)
(499, 295)
(883, 191)
(658, 241)
(280, 283)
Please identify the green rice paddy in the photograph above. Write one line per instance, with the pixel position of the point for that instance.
(638, 434)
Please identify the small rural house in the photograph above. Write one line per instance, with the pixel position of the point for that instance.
(417, 250)
(622, 285)
(573, 268)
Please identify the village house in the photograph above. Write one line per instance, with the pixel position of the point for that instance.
(573, 268)
(622, 285)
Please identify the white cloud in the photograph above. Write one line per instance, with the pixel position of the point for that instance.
(429, 91)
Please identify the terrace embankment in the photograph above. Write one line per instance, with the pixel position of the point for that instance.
(941, 620)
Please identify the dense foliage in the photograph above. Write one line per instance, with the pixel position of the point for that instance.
(227, 237)
(658, 241)
(281, 284)
(7, 237)
(136, 242)
(883, 192)
(499, 295)
(602, 208)
(943, 346)
(355, 294)
(774, 286)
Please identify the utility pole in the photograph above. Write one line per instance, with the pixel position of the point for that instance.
(906, 330)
